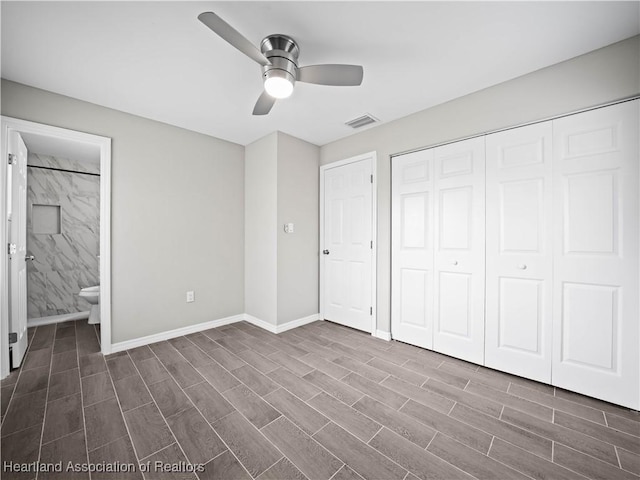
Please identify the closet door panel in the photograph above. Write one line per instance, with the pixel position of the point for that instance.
(459, 250)
(519, 251)
(412, 248)
(596, 314)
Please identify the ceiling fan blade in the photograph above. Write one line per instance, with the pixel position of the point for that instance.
(231, 35)
(264, 104)
(337, 75)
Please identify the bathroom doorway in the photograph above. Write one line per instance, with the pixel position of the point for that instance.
(67, 223)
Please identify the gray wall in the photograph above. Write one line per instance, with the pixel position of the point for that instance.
(261, 241)
(298, 183)
(67, 261)
(598, 77)
(177, 213)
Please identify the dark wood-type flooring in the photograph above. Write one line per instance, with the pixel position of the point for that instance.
(320, 402)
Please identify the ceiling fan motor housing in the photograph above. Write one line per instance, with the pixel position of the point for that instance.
(282, 51)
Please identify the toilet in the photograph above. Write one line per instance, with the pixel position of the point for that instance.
(92, 295)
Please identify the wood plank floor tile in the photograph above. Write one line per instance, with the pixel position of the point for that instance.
(462, 432)
(171, 455)
(63, 384)
(282, 470)
(120, 367)
(120, 451)
(140, 353)
(521, 437)
(437, 374)
(148, 430)
(195, 356)
(24, 412)
(364, 459)
(22, 447)
(169, 397)
(211, 404)
(367, 371)
(398, 372)
(512, 401)
(92, 364)
(32, 380)
(597, 404)
(218, 376)
(253, 450)
(37, 358)
(623, 424)
(595, 430)
(166, 353)
(65, 344)
(560, 434)
(305, 453)
(345, 416)
(64, 361)
(297, 411)
(395, 421)
(255, 380)
(345, 473)
(294, 384)
(420, 395)
(478, 402)
(471, 461)
(152, 370)
(587, 465)
(421, 463)
(374, 390)
(629, 461)
(104, 423)
(227, 359)
(528, 463)
(96, 388)
(257, 361)
(557, 403)
(132, 392)
(184, 373)
(290, 363)
(203, 342)
(70, 449)
(224, 467)
(254, 408)
(196, 436)
(63, 417)
(332, 369)
(336, 388)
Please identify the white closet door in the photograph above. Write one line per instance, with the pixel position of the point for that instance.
(412, 248)
(459, 249)
(519, 251)
(596, 317)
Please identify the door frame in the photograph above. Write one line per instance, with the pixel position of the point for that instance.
(104, 144)
(373, 158)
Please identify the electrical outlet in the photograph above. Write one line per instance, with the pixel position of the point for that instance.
(191, 297)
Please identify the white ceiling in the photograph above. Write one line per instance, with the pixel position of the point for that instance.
(156, 60)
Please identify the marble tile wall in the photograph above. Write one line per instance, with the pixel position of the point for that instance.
(66, 262)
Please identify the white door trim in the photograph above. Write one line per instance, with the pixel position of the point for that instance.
(372, 156)
(104, 144)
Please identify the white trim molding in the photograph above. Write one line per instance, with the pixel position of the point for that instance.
(67, 317)
(199, 327)
(178, 332)
(383, 335)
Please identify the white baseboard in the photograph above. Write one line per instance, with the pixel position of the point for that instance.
(382, 335)
(67, 317)
(282, 327)
(178, 332)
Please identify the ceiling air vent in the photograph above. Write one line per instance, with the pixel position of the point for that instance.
(365, 119)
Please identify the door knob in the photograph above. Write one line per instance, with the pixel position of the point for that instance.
(326, 252)
(30, 257)
(522, 266)
(455, 262)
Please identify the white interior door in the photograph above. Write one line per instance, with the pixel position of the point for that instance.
(412, 248)
(519, 251)
(18, 239)
(596, 316)
(347, 244)
(459, 274)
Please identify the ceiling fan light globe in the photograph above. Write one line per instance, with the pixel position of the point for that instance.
(278, 87)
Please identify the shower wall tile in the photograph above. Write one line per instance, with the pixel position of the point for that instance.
(66, 262)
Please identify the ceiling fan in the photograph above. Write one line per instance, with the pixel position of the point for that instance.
(278, 55)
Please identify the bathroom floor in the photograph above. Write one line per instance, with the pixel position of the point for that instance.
(320, 401)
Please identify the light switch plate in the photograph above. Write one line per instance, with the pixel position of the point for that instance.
(191, 297)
